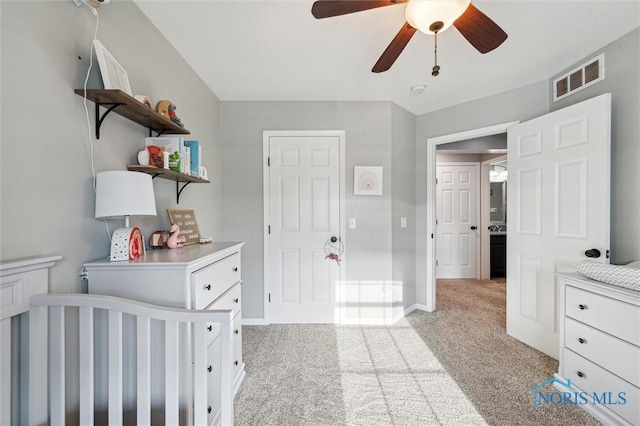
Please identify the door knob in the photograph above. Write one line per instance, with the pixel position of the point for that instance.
(473, 228)
(592, 253)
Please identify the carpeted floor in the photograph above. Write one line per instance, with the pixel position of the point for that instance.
(456, 366)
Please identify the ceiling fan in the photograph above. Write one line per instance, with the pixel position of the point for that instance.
(428, 16)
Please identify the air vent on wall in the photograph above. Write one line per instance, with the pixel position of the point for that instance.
(577, 79)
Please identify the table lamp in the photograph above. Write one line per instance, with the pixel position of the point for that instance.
(123, 193)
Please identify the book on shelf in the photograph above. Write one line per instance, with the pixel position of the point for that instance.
(195, 156)
(157, 147)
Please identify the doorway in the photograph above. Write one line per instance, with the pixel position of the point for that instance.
(432, 145)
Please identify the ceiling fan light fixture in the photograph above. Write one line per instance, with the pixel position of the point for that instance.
(421, 14)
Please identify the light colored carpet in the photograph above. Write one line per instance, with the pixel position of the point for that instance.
(452, 367)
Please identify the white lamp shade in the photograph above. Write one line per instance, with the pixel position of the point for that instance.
(122, 193)
(421, 14)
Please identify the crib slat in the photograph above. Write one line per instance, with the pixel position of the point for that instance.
(144, 370)
(171, 373)
(38, 362)
(115, 368)
(86, 366)
(57, 364)
(5, 372)
(200, 377)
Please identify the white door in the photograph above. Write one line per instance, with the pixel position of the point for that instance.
(558, 209)
(303, 214)
(457, 199)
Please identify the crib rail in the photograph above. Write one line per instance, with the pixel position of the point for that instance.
(48, 317)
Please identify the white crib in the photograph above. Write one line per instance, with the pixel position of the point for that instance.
(34, 392)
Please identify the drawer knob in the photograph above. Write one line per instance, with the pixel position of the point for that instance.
(209, 369)
(236, 362)
(209, 409)
(207, 287)
(236, 331)
(582, 307)
(581, 340)
(236, 300)
(210, 328)
(580, 374)
(235, 269)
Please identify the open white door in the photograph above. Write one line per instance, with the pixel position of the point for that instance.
(559, 197)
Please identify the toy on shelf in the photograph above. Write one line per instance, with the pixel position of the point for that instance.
(175, 239)
(167, 109)
(173, 116)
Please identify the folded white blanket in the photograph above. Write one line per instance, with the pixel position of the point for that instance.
(627, 276)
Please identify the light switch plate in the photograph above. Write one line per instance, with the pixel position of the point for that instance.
(403, 222)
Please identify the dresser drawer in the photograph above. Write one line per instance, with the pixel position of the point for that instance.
(210, 282)
(615, 355)
(237, 349)
(599, 381)
(612, 316)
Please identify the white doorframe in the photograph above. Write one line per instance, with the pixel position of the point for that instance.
(476, 200)
(340, 134)
(485, 242)
(432, 144)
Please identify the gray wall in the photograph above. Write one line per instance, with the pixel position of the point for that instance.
(520, 104)
(47, 203)
(403, 201)
(371, 135)
(622, 80)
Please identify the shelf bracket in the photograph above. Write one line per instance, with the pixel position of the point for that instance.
(179, 190)
(159, 132)
(110, 107)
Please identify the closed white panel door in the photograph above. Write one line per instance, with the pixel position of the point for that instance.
(457, 220)
(304, 213)
(558, 211)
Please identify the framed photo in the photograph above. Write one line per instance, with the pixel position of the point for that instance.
(113, 75)
(367, 180)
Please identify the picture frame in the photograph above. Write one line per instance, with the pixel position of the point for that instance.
(186, 220)
(113, 74)
(367, 180)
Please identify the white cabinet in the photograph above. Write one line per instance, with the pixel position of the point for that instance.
(193, 277)
(600, 347)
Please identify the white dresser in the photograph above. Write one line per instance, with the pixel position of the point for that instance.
(193, 277)
(600, 347)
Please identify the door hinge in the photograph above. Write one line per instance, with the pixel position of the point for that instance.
(269, 229)
(436, 181)
(432, 236)
(436, 221)
(608, 254)
(269, 297)
(268, 161)
(436, 263)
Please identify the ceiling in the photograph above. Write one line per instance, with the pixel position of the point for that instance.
(275, 50)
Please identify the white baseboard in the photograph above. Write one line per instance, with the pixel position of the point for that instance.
(422, 307)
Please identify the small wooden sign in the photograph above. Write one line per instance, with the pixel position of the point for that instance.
(186, 220)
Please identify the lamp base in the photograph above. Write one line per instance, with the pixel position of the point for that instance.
(126, 244)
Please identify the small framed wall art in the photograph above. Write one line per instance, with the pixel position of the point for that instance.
(113, 75)
(367, 180)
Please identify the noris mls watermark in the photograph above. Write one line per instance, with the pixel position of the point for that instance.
(573, 396)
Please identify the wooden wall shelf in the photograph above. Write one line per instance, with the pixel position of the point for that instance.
(169, 175)
(129, 107)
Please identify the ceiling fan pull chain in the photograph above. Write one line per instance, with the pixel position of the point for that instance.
(436, 27)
